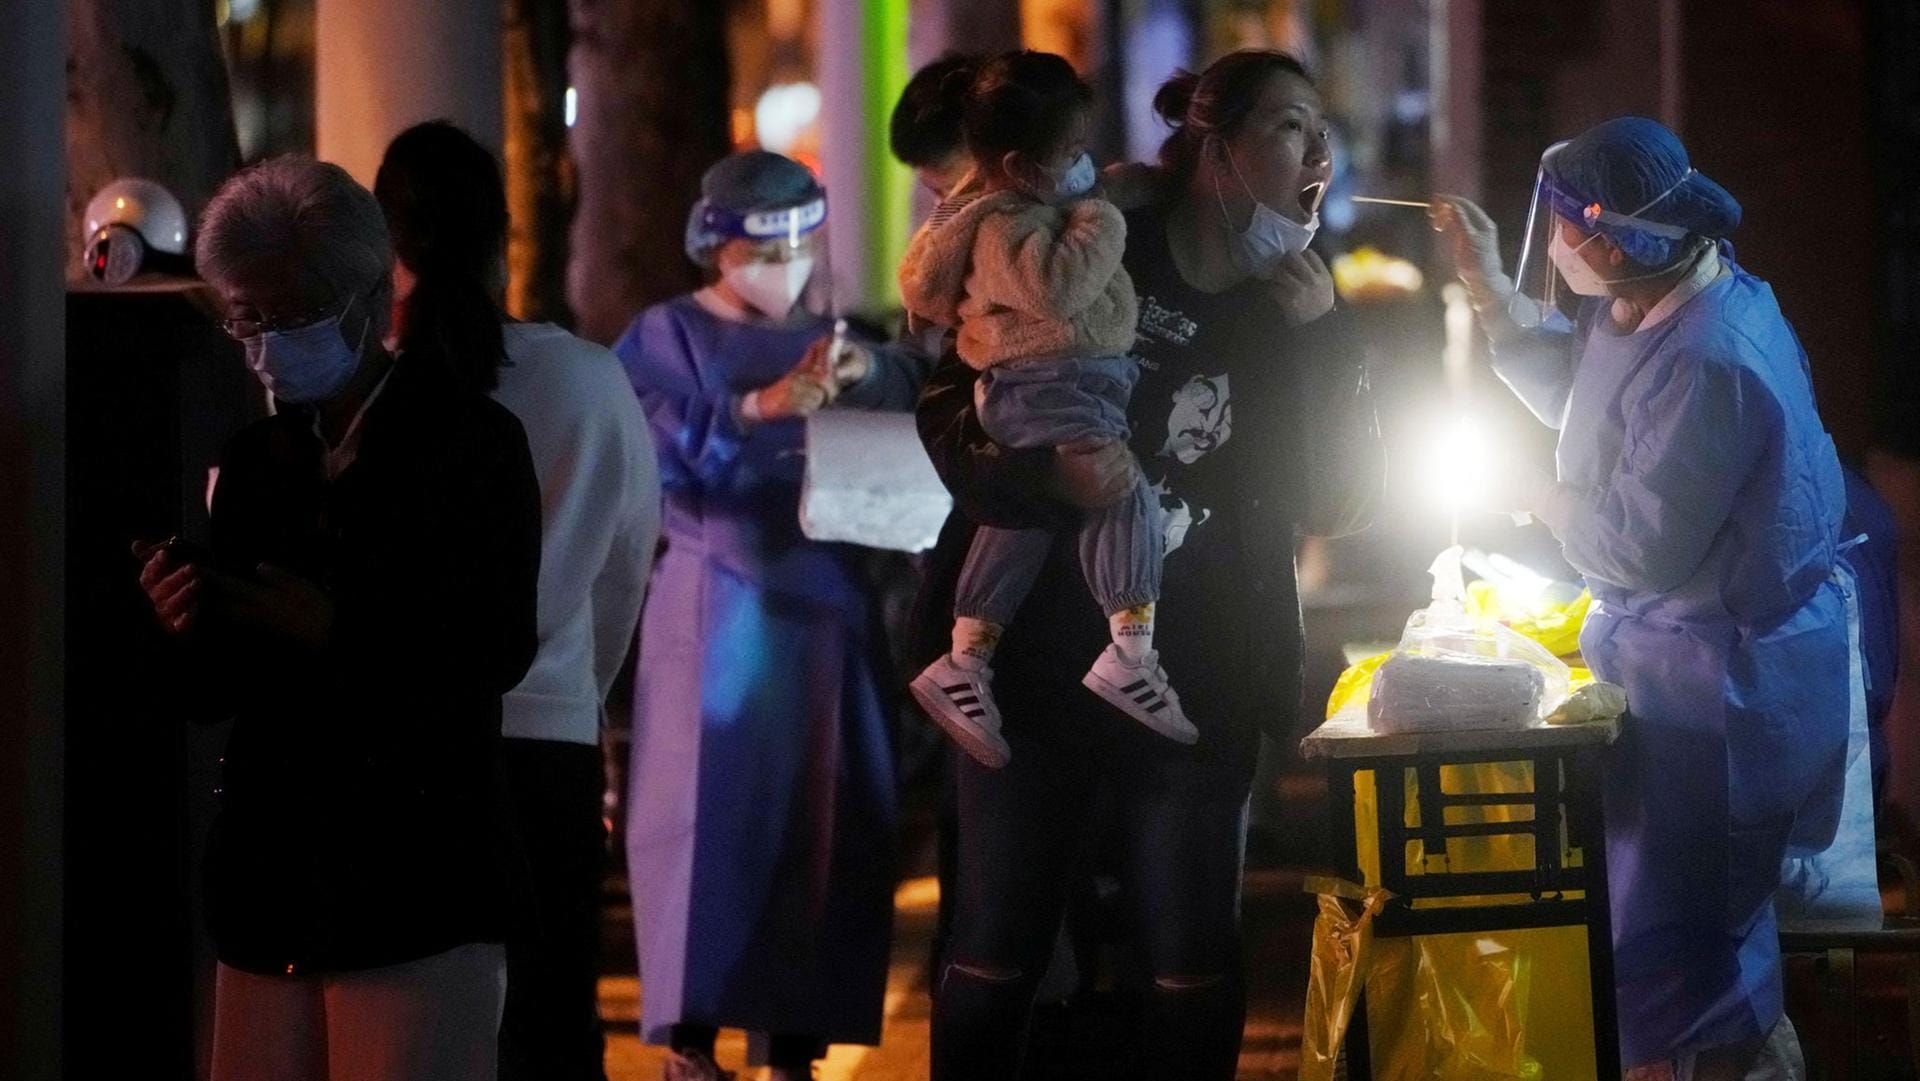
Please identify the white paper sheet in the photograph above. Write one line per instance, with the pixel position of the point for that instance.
(869, 482)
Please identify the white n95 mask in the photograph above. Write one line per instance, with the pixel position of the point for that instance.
(772, 288)
(1575, 271)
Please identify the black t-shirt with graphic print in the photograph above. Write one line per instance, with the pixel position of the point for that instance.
(1220, 420)
(1196, 350)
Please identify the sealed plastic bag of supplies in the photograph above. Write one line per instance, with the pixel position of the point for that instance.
(1454, 670)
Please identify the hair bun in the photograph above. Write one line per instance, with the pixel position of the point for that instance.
(957, 83)
(1175, 96)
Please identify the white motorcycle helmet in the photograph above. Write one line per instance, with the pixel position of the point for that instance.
(134, 225)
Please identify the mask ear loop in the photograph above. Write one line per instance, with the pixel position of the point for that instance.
(366, 328)
(1219, 194)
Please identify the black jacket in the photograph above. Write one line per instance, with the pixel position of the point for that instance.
(361, 821)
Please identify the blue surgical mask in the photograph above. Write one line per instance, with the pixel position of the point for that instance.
(1076, 182)
(307, 364)
(1270, 237)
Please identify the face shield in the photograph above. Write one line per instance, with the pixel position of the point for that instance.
(1537, 288)
(786, 266)
(1539, 285)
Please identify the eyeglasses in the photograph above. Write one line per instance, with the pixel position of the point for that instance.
(242, 329)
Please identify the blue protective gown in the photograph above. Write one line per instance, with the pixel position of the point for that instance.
(1702, 499)
(761, 810)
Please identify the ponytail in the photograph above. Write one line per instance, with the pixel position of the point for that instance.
(452, 322)
(446, 208)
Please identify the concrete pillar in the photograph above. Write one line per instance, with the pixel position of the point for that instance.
(1159, 38)
(33, 51)
(381, 66)
(1454, 73)
(862, 69)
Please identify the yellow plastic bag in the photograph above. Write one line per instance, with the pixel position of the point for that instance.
(1450, 1006)
(1342, 941)
(1355, 684)
(1555, 626)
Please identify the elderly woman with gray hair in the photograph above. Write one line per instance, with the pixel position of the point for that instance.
(367, 600)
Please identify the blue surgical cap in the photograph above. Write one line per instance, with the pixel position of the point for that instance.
(1616, 169)
(757, 195)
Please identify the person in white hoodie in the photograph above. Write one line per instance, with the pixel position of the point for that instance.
(600, 510)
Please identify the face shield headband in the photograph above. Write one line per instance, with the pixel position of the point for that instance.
(1592, 215)
(710, 226)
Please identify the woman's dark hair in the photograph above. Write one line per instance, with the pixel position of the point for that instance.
(1215, 102)
(925, 128)
(1023, 102)
(447, 210)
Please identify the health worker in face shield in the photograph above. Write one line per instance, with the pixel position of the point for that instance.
(1701, 497)
(760, 825)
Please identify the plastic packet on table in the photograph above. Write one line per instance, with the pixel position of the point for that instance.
(1457, 670)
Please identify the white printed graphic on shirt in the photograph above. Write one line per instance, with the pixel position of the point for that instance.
(1177, 517)
(1164, 323)
(1201, 420)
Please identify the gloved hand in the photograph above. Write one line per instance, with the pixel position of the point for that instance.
(836, 371)
(1472, 241)
(795, 394)
(278, 603)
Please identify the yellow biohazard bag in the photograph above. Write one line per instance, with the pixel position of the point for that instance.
(1342, 942)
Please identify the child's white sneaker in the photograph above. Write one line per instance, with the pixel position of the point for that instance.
(1140, 690)
(960, 700)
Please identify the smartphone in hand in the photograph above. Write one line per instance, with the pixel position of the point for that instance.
(179, 551)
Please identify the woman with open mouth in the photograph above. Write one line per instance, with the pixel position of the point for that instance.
(1282, 442)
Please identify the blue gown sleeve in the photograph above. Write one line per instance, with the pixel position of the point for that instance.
(1537, 365)
(695, 429)
(1691, 441)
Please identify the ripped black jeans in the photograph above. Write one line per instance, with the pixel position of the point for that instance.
(1182, 813)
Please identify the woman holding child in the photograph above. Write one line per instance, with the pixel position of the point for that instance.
(1242, 426)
